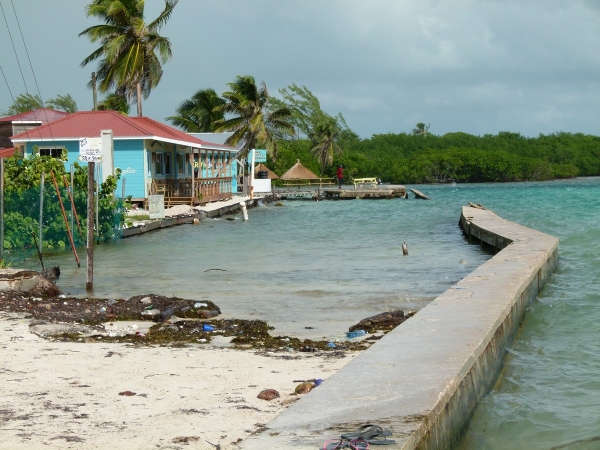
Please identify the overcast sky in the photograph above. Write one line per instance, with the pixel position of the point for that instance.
(477, 66)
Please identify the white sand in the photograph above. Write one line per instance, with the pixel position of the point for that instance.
(66, 395)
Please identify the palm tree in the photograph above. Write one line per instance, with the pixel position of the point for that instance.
(421, 129)
(325, 145)
(128, 59)
(253, 123)
(198, 114)
(114, 102)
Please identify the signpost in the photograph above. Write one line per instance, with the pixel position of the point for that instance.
(90, 151)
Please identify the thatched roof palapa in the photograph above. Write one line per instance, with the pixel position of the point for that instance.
(299, 172)
(262, 168)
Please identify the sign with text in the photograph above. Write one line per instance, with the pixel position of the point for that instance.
(260, 155)
(90, 146)
(156, 206)
(90, 158)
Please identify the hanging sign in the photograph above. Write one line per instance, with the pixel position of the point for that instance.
(90, 146)
(90, 158)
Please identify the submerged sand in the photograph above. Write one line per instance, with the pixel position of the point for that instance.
(66, 394)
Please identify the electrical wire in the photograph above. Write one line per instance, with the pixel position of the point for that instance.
(32, 72)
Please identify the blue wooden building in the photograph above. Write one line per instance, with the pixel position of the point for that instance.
(154, 158)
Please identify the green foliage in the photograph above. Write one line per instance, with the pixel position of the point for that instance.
(25, 103)
(421, 129)
(254, 121)
(306, 113)
(63, 102)
(131, 51)
(22, 204)
(460, 157)
(325, 143)
(289, 153)
(198, 114)
(28, 102)
(114, 102)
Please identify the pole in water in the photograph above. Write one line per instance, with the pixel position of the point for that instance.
(38, 250)
(244, 211)
(89, 285)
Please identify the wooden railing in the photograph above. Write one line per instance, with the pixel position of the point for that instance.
(205, 190)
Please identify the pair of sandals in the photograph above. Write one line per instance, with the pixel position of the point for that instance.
(360, 439)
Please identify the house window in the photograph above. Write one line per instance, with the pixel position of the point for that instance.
(53, 152)
(181, 164)
(167, 163)
(162, 163)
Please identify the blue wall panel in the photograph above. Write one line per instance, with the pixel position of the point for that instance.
(129, 157)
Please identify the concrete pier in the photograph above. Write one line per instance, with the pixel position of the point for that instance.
(423, 380)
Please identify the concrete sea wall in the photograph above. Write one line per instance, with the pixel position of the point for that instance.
(216, 210)
(423, 380)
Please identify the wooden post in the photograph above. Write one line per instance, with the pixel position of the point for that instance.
(64, 214)
(193, 190)
(89, 285)
(252, 175)
(1, 209)
(73, 210)
(97, 204)
(41, 243)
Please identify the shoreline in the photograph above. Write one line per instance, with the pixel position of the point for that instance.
(188, 397)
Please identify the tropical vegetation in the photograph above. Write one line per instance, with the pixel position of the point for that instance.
(249, 115)
(22, 204)
(114, 102)
(460, 157)
(200, 113)
(29, 102)
(132, 51)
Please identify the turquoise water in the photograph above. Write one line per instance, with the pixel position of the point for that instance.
(326, 265)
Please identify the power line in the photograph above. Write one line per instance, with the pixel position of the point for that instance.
(33, 73)
(6, 81)
(18, 62)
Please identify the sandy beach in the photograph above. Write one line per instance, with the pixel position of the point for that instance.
(67, 394)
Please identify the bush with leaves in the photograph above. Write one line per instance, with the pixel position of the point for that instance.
(22, 204)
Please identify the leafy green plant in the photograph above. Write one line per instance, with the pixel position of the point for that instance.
(22, 204)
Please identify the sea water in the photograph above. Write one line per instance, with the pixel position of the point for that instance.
(312, 269)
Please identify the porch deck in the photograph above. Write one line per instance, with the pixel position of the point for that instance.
(180, 192)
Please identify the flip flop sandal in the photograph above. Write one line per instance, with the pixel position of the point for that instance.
(376, 440)
(338, 444)
(366, 432)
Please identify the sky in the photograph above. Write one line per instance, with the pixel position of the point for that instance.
(474, 66)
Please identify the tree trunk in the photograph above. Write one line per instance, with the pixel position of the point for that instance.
(139, 100)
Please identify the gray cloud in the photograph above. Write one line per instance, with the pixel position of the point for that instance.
(479, 66)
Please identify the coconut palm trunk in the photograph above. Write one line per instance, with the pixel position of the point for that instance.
(139, 99)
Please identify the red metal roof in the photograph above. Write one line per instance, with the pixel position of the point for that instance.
(43, 115)
(90, 123)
